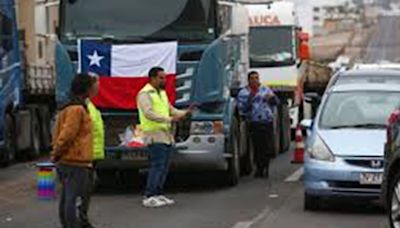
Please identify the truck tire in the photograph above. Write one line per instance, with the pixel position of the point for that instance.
(10, 149)
(285, 128)
(276, 134)
(45, 129)
(34, 151)
(233, 172)
(246, 160)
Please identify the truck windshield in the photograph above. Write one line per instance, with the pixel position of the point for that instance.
(271, 46)
(184, 20)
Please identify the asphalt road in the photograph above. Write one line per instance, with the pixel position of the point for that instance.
(201, 203)
(385, 42)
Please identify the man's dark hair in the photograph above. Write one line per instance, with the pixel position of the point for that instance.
(154, 71)
(81, 85)
(251, 73)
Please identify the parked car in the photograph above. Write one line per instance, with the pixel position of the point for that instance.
(391, 180)
(344, 151)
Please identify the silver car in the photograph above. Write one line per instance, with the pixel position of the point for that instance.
(344, 151)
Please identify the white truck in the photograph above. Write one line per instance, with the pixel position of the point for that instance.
(275, 53)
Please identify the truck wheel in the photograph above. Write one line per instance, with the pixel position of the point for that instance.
(10, 149)
(246, 160)
(276, 134)
(45, 123)
(233, 172)
(35, 136)
(285, 128)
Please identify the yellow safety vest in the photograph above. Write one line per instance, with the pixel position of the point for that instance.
(97, 131)
(160, 105)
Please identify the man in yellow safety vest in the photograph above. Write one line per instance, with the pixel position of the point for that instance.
(156, 116)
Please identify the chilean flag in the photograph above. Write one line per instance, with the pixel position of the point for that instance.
(123, 69)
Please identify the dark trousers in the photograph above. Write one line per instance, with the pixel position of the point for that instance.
(262, 138)
(85, 200)
(74, 181)
(159, 156)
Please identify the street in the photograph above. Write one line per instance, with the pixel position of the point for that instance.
(201, 202)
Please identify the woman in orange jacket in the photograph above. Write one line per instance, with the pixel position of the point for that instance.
(73, 150)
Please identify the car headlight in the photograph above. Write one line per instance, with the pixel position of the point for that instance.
(206, 127)
(319, 151)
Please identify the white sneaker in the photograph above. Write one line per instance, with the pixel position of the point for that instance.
(166, 200)
(153, 202)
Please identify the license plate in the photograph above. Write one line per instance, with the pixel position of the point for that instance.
(371, 178)
(134, 155)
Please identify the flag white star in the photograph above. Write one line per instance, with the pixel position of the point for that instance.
(95, 59)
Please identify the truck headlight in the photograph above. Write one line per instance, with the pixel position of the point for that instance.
(319, 151)
(207, 127)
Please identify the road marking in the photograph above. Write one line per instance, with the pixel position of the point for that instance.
(295, 176)
(258, 218)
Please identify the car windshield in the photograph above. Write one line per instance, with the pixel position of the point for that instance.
(270, 46)
(358, 109)
(135, 19)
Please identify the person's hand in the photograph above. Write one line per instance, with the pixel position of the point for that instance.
(191, 108)
(176, 119)
(269, 96)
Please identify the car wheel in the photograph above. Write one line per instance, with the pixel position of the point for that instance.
(311, 203)
(394, 202)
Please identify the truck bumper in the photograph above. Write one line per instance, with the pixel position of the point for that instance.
(197, 153)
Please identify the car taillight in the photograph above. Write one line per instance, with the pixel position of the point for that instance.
(394, 117)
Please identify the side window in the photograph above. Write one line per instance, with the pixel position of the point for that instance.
(6, 32)
(224, 18)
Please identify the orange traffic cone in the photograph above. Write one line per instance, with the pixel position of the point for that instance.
(298, 156)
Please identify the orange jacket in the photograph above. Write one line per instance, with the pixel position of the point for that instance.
(72, 137)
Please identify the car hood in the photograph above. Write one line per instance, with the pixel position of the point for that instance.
(355, 142)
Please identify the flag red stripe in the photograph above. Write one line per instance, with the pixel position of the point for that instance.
(121, 92)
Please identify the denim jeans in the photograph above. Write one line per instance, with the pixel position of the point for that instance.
(74, 181)
(159, 156)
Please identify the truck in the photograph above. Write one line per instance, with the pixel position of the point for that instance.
(26, 94)
(211, 64)
(274, 42)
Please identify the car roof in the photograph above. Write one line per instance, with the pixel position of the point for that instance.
(391, 66)
(371, 72)
(384, 87)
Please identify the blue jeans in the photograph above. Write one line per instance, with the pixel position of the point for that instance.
(159, 156)
(74, 181)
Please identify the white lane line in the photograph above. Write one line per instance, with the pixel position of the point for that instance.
(295, 176)
(258, 218)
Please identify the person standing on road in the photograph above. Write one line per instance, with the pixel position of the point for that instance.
(72, 150)
(98, 151)
(255, 105)
(156, 116)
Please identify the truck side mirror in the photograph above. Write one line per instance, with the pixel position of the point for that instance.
(312, 97)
